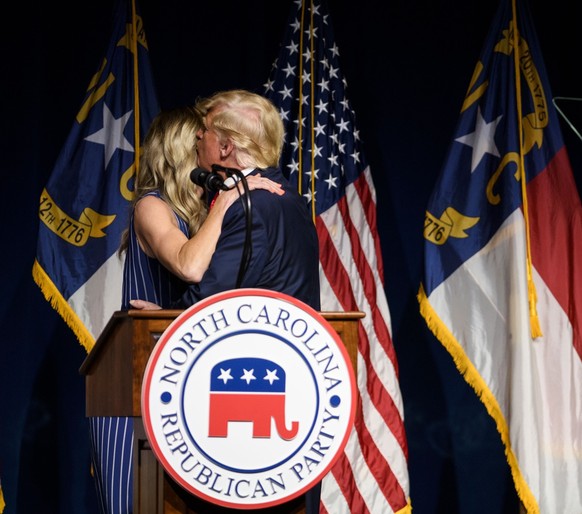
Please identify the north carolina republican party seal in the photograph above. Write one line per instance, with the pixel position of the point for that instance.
(248, 398)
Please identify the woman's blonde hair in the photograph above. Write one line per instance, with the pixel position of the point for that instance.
(251, 122)
(168, 156)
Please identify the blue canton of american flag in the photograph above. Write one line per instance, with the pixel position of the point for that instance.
(323, 156)
(321, 153)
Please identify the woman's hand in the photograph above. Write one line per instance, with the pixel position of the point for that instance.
(142, 305)
(258, 182)
(227, 198)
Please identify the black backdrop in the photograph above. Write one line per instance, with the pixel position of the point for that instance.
(408, 64)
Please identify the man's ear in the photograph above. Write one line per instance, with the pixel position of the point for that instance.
(226, 149)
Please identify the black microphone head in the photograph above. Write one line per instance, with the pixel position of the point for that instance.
(215, 182)
(207, 179)
(198, 176)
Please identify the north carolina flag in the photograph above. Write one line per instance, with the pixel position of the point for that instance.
(502, 286)
(324, 157)
(84, 207)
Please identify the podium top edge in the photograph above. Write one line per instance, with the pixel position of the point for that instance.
(120, 317)
(152, 314)
(174, 313)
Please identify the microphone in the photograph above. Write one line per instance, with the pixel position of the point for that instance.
(209, 180)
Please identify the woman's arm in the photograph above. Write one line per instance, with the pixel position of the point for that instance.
(159, 236)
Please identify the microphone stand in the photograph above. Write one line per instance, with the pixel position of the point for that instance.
(247, 208)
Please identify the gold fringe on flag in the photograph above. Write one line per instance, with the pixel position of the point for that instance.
(55, 298)
(475, 380)
(2, 503)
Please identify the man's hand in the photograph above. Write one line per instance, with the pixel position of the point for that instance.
(142, 305)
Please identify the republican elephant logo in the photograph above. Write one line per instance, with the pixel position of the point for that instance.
(248, 390)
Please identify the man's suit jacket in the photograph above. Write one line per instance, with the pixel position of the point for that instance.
(285, 249)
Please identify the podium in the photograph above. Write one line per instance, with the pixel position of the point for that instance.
(114, 371)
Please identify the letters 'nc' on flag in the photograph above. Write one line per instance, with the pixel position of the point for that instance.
(502, 286)
(84, 207)
(323, 156)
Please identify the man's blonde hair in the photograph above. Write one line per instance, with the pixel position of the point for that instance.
(251, 122)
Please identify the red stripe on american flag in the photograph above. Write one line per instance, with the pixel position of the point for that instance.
(340, 282)
(363, 260)
(380, 397)
(333, 267)
(343, 475)
(366, 276)
(378, 465)
(363, 188)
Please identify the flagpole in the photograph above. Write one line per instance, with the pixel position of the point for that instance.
(300, 99)
(136, 119)
(312, 113)
(536, 330)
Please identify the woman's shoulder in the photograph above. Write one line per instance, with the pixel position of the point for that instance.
(151, 197)
(151, 201)
(154, 193)
(152, 208)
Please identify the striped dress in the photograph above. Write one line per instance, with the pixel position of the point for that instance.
(144, 278)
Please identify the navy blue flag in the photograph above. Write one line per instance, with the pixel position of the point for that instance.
(84, 207)
(324, 157)
(502, 287)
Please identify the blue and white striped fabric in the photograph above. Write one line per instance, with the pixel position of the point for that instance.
(144, 277)
(112, 437)
(112, 447)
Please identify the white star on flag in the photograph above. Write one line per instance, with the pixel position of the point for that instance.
(111, 135)
(481, 140)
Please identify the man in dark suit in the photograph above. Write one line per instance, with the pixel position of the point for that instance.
(243, 131)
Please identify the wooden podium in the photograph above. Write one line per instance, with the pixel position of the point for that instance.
(114, 371)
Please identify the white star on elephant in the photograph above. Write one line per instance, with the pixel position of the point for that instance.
(225, 375)
(271, 376)
(248, 375)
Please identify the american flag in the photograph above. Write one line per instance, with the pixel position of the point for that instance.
(502, 287)
(323, 155)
